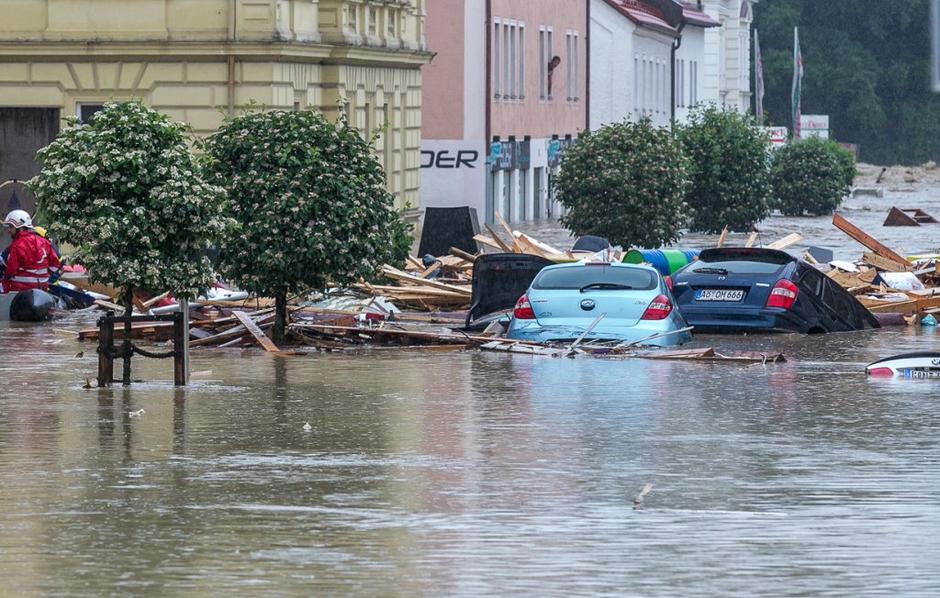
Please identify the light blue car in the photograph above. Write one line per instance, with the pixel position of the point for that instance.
(563, 301)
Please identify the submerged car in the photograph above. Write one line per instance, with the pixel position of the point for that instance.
(740, 289)
(564, 300)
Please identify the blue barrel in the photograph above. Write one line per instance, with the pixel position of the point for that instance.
(667, 261)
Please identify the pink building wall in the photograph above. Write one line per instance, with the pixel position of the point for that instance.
(444, 76)
(534, 116)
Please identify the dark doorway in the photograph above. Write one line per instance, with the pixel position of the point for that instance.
(23, 132)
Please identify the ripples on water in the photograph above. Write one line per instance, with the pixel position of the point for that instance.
(471, 474)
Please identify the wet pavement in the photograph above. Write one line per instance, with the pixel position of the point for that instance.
(470, 474)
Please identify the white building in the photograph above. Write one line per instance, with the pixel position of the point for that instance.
(727, 69)
(632, 45)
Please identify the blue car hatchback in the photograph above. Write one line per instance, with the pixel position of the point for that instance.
(563, 300)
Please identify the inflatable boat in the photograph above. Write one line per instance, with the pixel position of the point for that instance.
(26, 306)
(909, 365)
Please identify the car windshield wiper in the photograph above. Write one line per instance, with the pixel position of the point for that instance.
(720, 271)
(606, 285)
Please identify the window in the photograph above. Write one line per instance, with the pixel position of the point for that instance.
(511, 63)
(543, 77)
(547, 63)
(520, 91)
(571, 70)
(636, 85)
(392, 17)
(497, 59)
(353, 25)
(596, 276)
(373, 21)
(693, 84)
(85, 112)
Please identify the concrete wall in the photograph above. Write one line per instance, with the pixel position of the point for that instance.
(611, 66)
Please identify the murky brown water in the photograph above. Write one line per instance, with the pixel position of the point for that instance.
(470, 474)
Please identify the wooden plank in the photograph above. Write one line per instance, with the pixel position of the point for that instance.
(151, 302)
(791, 239)
(502, 245)
(488, 241)
(415, 262)
(873, 259)
(722, 238)
(463, 254)
(545, 249)
(256, 332)
(865, 239)
(418, 281)
(502, 222)
(751, 239)
(231, 333)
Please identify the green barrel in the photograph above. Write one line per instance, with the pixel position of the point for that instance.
(667, 261)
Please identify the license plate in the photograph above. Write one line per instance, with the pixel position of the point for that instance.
(719, 295)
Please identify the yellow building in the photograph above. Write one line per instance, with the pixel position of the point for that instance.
(198, 60)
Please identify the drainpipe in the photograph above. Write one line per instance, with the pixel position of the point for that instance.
(488, 86)
(232, 25)
(587, 69)
(672, 68)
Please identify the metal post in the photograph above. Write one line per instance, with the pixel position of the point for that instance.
(105, 348)
(179, 356)
(126, 350)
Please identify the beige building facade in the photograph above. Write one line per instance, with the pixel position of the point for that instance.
(200, 60)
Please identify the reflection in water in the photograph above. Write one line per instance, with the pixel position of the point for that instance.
(470, 473)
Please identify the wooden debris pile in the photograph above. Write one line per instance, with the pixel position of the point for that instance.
(883, 280)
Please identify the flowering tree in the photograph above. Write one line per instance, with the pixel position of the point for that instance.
(125, 189)
(626, 182)
(311, 203)
(730, 170)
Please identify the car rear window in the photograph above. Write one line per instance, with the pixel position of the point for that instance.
(752, 264)
(581, 276)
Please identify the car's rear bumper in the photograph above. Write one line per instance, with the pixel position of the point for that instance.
(534, 332)
(737, 319)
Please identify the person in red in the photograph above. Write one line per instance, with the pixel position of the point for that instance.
(30, 259)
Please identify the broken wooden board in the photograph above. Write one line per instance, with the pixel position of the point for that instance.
(865, 239)
(722, 238)
(489, 242)
(256, 332)
(709, 354)
(502, 245)
(881, 263)
(751, 239)
(791, 239)
(523, 348)
(397, 274)
(912, 306)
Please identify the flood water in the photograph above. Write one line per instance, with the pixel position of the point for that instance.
(469, 473)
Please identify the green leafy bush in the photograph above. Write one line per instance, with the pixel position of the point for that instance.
(626, 182)
(729, 170)
(811, 176)
(127, 192)
(311, 203)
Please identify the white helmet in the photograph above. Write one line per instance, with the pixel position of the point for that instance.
(18, 219)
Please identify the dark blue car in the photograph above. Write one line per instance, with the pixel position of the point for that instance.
(740, 289)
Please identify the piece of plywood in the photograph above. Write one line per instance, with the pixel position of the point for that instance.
(897, 217)
(722, 238)
(873, 259)
(791, 239)
(865, 239)
(495, 236)
(256, 332)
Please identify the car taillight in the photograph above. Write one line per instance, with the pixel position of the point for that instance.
(881, 372)
(659, 309)
(668, 280)
(523, 310)
(783, 294)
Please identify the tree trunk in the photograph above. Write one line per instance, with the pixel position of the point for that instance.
(280, 318)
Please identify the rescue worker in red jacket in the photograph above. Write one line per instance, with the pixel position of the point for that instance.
(30, 259)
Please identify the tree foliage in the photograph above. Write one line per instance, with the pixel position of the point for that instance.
(128, 193)
(866, 65)
(729, 170)
(310, 200)
(626, 182)
(810, 176)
